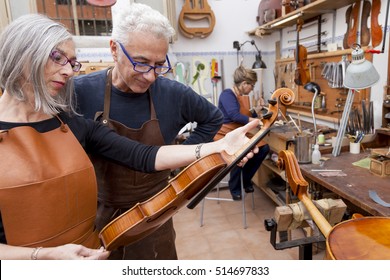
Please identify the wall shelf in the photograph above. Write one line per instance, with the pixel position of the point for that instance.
(306, 12)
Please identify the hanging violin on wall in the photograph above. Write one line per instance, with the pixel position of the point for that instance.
(302, 73)
(376, 29)
(352, 32)
(365, 36)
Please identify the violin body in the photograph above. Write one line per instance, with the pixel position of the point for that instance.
(348, 21)
(302, 73)
(365, 31)
(376, 29)
(352, 34)
(197, 178)
(146, 217)
(364, 238)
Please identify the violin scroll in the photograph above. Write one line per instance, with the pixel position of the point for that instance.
(299, 185)
(286, 96)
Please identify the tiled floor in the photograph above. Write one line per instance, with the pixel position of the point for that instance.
(223, 237)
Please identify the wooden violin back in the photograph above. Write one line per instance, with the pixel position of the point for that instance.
(366, 238)
(376, 28)
(146, 217)
(302, 74)
(365, 36)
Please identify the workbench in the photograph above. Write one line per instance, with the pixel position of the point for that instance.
(353, 187)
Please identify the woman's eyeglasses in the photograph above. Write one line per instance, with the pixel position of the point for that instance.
(61, 59)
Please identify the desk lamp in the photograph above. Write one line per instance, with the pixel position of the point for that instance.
(360, 74)
(259, 63)
(314, 88)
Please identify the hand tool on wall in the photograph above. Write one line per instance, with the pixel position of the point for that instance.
(215, 77)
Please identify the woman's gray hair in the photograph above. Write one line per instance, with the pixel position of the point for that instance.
(25, 46)
(140, 18)
(242, 74)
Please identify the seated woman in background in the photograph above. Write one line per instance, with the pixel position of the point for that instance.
(48, 191)
(231, 103)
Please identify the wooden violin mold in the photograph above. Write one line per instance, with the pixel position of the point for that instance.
(195, 10)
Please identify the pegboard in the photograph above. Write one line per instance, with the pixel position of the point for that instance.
(335, 97)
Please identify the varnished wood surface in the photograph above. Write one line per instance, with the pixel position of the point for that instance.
(355, 186)
(360, 239)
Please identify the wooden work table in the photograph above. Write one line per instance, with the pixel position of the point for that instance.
(352, 188)
(355, 185)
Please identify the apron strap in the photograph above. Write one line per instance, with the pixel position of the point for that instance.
(107, 100)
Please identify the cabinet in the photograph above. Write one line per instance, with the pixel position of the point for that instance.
(306, 12)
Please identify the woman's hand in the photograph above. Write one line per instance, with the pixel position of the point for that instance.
(72, 252)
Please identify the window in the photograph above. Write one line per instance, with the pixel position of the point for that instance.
(81, 19)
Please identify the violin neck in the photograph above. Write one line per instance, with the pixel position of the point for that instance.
(255, 139)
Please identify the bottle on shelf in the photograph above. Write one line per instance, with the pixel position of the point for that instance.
(316, 155)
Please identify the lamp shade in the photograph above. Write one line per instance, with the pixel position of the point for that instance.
(360, 72)
(259, 63)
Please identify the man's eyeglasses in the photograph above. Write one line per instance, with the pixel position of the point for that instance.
(145, 68)
(61, 59)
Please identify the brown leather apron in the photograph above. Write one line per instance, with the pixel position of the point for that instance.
(120, 188)
(47, 188)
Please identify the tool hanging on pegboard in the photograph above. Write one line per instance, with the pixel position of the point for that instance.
(215, 77)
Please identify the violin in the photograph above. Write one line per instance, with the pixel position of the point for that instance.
(197, 178)
(376, 29)
(352, 34)
(348, 21)
(365, 31)
(362, 238)
(302, 73)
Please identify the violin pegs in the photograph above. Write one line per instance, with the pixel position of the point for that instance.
(267, 115)
(273, 102)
